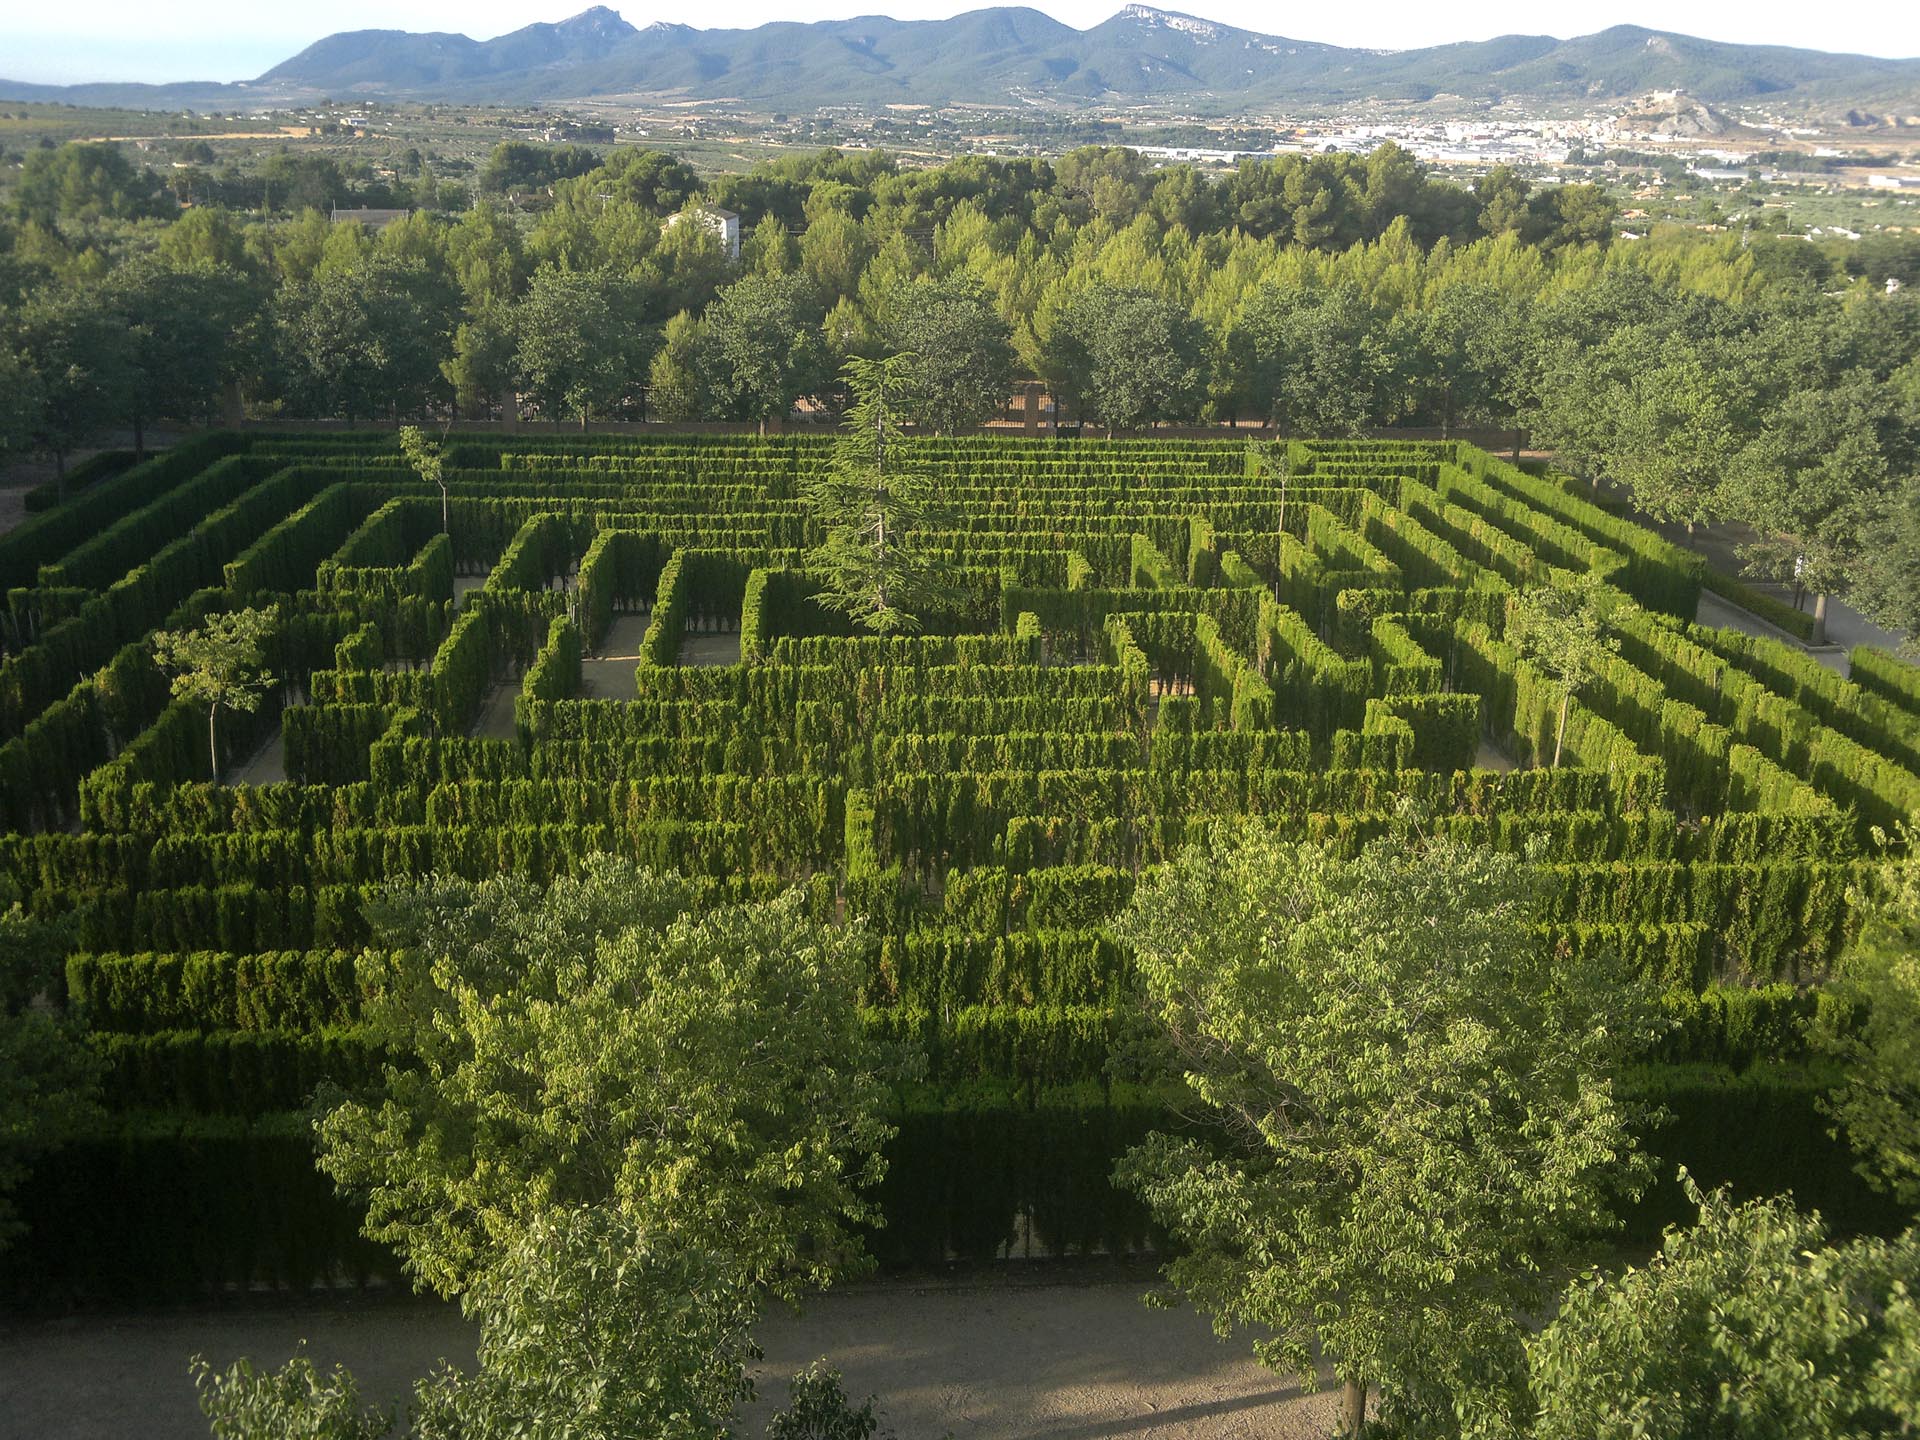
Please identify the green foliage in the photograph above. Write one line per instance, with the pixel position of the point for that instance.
(873, 505)
(495, 989)
(1750, 1323)
(1394, 1239)
(296, 1402)
(1878, 1103)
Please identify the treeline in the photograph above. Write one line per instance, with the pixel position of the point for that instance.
(1716, 375)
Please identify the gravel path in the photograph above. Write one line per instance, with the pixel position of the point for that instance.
(1072, 1361)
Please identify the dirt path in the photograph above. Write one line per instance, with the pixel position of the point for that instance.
(268, 765)
(609, 674)
(705, 648)
(496, 713)
(1000, 1358)
(1492, 757)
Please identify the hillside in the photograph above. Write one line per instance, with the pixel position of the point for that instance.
(1017, 55)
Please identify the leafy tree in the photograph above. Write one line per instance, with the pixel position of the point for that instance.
(578, 351)
(295, 1402)
(589, 1330)
(530, 1016)
(1878, 1103)
(764, 346)
(1413, 1100)
(425, 458)
(871, 503)
(86, 182)
(593, 1327)
(48, 1075)
(182, 325)
(366, 340)
(1308, 360)
(1562, 628)
(1456, 361)
(1886, 575)
(1749, 1323)
(652, 180)
(960, 369)
(1502, 195)
(1126, 356)
(222, 665)
(676, 389)
(21, 403)
(79, 351)
(481, 367)
(1813, 479)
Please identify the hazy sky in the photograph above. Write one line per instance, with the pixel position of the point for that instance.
(237, 39)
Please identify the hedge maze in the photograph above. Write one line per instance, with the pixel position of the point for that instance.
(1146, 637)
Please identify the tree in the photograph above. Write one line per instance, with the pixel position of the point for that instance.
(675, 387)
(1456, 360)
(220, 665)
(1412, 1100)
(1126, 356)
(1886, 576)
(960, 369)
(21, 403)
(1878, 1102)
(425, 458)
(182, 324)
(366, 338)
(1308, 360)
(79, 350)
(1813, 478)
(480, 369)
(765, 348)
(295, 1402)
(578, 349)
(589, 1330)
(1562, 628)
(531, 1014)
(48, 1075)
(871, 503)
(87, 182)
(1749, 1324)
(593, 1327)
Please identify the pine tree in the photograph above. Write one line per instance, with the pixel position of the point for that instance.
(873, 506)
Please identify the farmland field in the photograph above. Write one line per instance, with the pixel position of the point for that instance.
(1143, 637)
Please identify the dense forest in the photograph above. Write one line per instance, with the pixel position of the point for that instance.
(1730, 374)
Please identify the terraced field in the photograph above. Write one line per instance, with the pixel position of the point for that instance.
(1145, 637)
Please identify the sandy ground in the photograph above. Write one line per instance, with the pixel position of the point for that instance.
(267, 766)
(496, 713)
(1492, 757)
(702, 648)
(13, 506)
(609, 674)
(1001, 1358)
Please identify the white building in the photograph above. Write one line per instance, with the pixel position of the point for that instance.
(1894, 182)
(723, 223)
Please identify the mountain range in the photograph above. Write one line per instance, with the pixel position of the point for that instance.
(1018, 56)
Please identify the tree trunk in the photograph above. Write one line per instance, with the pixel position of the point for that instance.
(60, 475)
(213, 744)
(139, 438)
(1820, 619)
(445, 528)
(1560, 734)
(1353, 1409)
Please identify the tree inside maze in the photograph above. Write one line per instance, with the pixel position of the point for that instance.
(221, 665)
(873, 505)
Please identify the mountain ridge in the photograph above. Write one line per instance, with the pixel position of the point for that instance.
(1018, 55)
